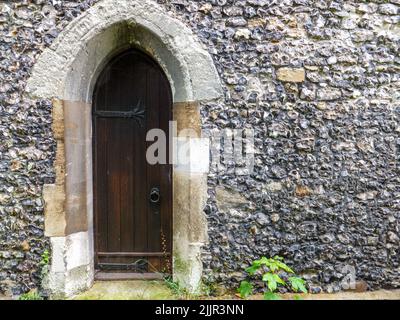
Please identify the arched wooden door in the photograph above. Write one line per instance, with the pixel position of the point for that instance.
(132, 226)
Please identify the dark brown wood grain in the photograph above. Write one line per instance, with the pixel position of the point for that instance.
(132, 235)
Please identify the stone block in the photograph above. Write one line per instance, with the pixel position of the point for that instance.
(291, 74)
(58, 119)
(187, 117)
(55, 223)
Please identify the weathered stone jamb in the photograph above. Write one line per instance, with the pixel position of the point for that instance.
(66, 73)
(189, 197)
(69, 205)
(54, 194)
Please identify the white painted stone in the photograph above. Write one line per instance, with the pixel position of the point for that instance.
(79, 280)
(199, 155)
(192, 155)
(192, 256)
(77, 250)
(58, 252)
(72, 267)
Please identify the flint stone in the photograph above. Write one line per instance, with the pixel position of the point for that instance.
(388, 9)
(242, 33)
(328, 94)
(274, 186)
(370, 195)
(228, 199)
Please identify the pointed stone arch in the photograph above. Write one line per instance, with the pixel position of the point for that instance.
(87, 41)
(66, 73)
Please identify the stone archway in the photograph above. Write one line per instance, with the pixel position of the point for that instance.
(66, 73)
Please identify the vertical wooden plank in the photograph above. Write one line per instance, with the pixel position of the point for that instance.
(126, 188)
(140, 177)
(100, 183)
(114, 192)
(153, 171)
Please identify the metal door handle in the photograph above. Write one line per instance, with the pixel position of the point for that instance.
(155, 195)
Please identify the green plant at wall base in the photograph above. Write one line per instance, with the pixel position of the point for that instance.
(245, 289)
(44, 264)
(271, 270)
(45, 258)
(44, 270)
(31, 295)
(182, 293)
(176, 289)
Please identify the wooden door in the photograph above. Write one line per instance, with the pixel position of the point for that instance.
(132, 226)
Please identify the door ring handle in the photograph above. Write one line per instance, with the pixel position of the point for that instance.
(155, 195)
